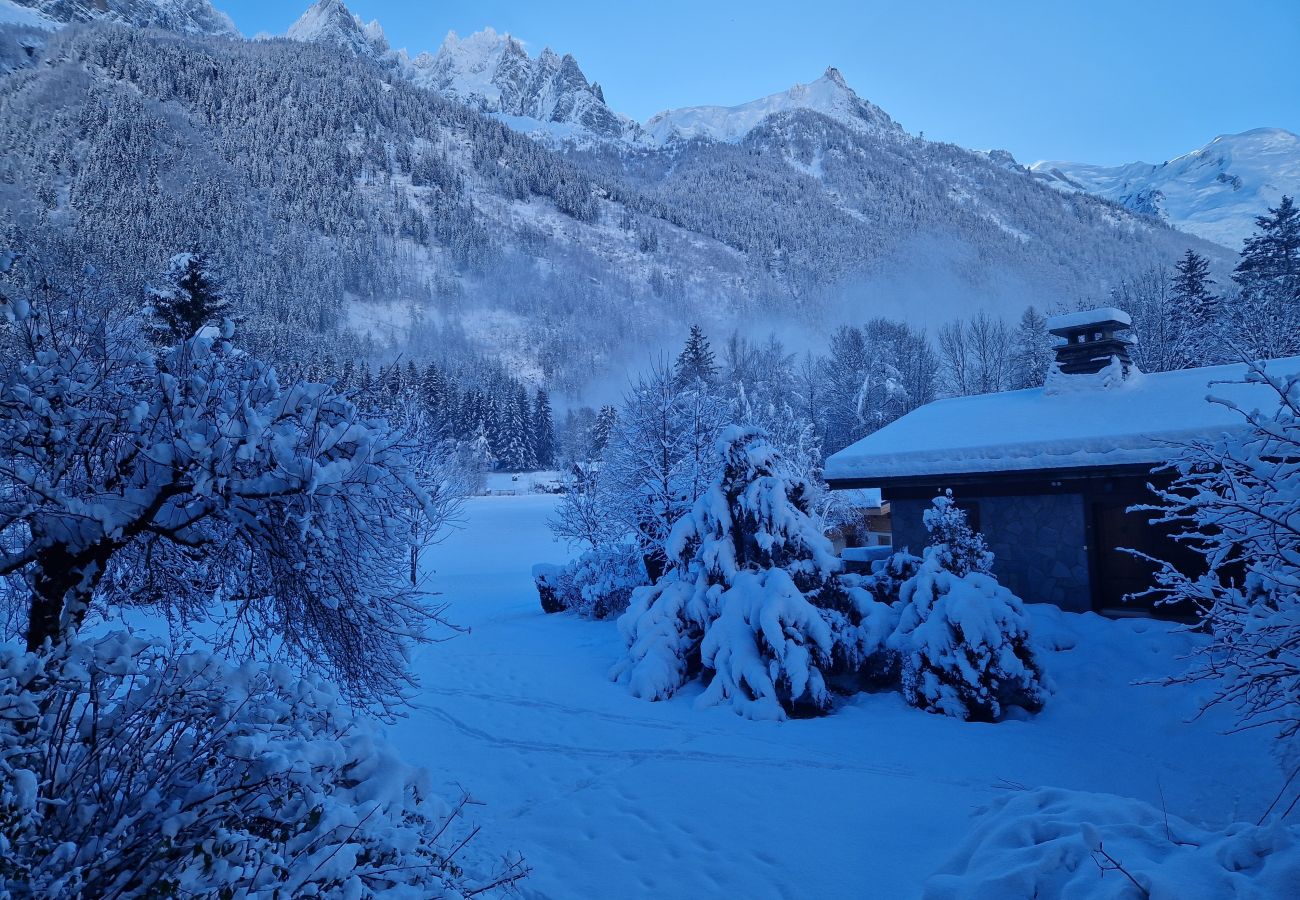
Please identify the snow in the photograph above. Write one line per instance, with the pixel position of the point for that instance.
(1133, 422)
(12, 13)
(828, 95)
(1049, 843)
(1214, 192)
(610, 796)
(1088, 317)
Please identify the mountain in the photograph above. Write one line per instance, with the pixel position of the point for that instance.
(357, 212)
(548, 94)
(184, 16)
(329, 22)
(1214, 192)
(829, 96)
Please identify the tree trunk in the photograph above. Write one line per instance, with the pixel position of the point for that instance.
(60, 576)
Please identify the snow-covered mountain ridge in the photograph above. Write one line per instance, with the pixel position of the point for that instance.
(829, 95)
(184, 16)
(549, 97)
(330, 22)
(1214, 192)
(327, 182)
(494, 74)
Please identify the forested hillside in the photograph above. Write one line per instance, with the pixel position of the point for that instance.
(354, 212)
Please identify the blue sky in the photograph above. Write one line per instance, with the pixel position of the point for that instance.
(1102, 81)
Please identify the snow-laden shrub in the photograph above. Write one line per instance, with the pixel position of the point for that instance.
(963, 639)
(598, 584)
(1236, 502)
(128, 771)
(1058, 843)
(750, 598)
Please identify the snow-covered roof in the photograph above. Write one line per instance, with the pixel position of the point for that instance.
(1088, 317)
(1132, 422)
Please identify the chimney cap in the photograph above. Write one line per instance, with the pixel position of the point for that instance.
(1102, 317)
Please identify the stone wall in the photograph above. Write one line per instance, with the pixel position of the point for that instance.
(1039, 541)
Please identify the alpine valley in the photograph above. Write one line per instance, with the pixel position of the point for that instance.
(483, 199)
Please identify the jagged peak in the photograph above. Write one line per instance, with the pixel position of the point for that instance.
(833, 75)
(331, 22)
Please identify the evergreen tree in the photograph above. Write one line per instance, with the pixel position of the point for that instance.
(1198, 311)
(606, 423)
(543, 431)
(1268, 317)
(513, 442)
(1033, 356)
(750, 598)
(962, 638)
(185, 299)
(696, 362)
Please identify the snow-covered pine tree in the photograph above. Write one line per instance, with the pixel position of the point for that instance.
(515, 444)
(543, 426)
(962, 638)
(603, 429)
(1198, 311)
(186, 298)
(750, 597)
(657, 461)
(1033, 354)
(696, 363)
(1268, 317)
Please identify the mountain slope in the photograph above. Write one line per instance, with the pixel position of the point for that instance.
(358, 213)
(1214, 192)
(185, 16)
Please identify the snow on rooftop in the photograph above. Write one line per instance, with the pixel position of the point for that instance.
(1088, 317)
(1132, 422)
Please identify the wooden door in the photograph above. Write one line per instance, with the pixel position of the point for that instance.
(1119, 574)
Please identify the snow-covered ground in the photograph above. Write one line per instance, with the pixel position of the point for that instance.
(609, 796)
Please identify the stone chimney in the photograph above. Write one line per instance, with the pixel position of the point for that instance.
(1091, 340)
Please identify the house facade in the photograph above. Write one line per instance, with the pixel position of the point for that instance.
(1050, 475)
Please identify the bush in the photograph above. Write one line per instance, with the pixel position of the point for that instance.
(128, 771)
(598, 584)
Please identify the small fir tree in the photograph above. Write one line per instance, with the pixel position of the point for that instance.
(696, 362)
(1033, 354)
(543, 423)
(963, 639)
(185, 299)
(1198, 311)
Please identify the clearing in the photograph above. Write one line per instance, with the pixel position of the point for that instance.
(610, 796)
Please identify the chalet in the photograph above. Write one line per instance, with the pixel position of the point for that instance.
(1049, 474)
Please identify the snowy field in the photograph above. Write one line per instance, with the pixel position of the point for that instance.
(610, 796)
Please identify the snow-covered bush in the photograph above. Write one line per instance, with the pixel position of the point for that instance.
(597, 584)
(962, 638)
(128, 770)
(750, 598)
(1058, 843)
(1236, 501)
